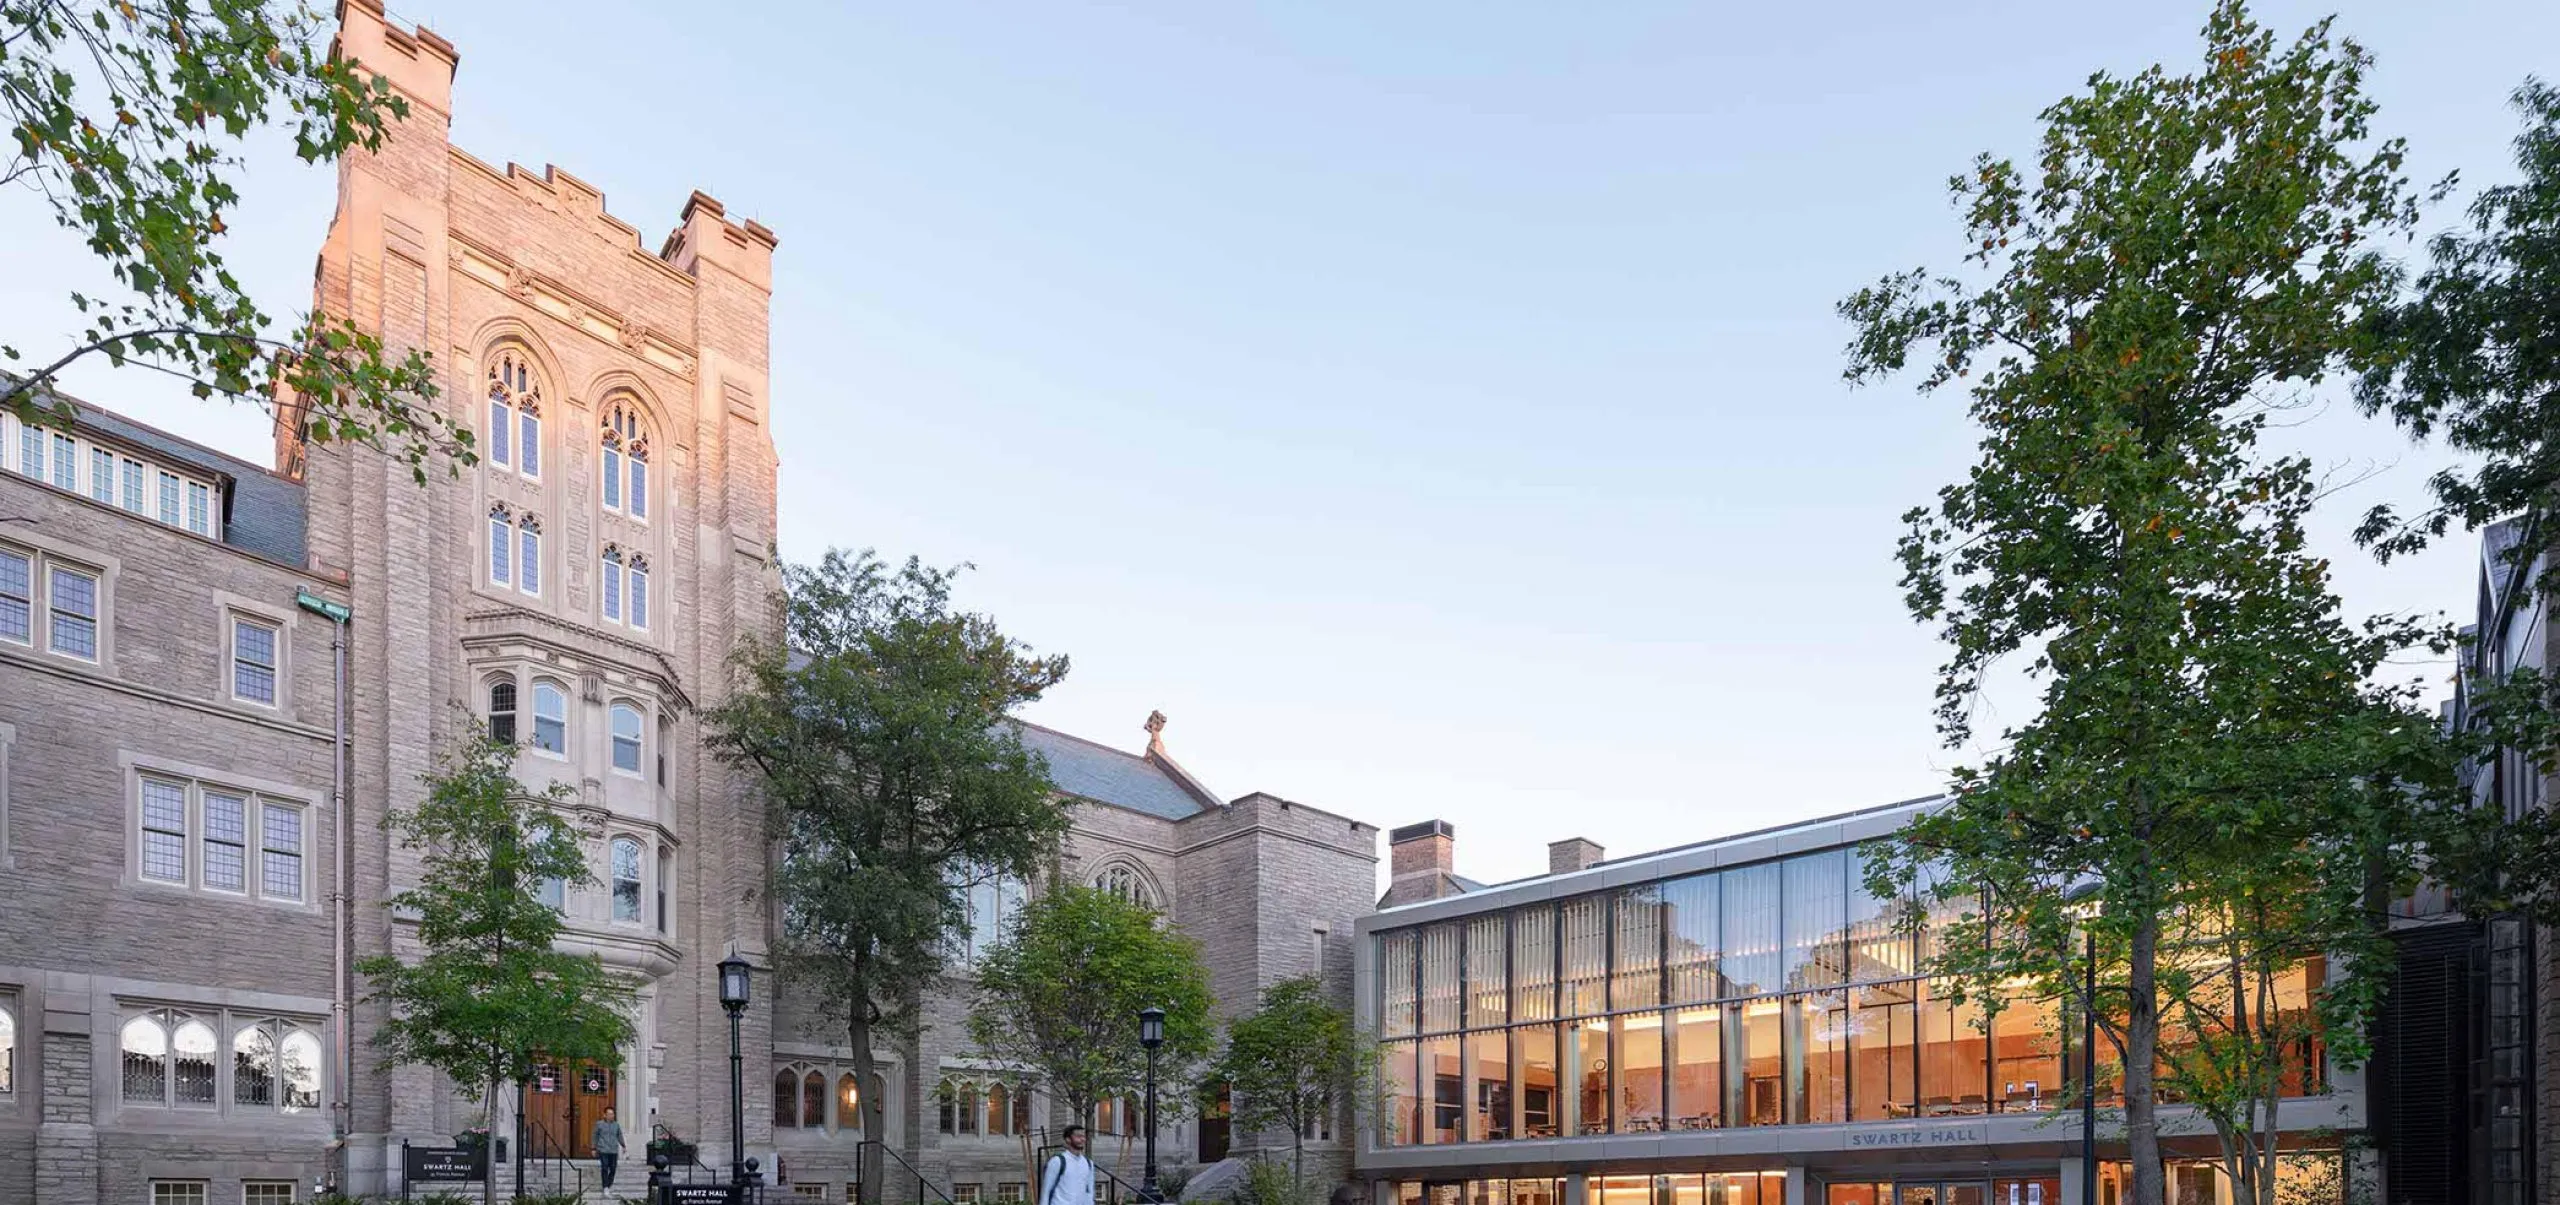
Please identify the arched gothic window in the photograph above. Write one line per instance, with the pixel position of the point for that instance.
(1127, 882)
(626, 460)
(992, 1106)
(626, 587)
(813, 1101)
(515, 413)
(786, 1099)
(515, 549)
(502, 711)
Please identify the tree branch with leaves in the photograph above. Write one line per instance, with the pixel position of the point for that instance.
(127, 118)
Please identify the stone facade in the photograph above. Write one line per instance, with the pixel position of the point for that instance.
(583, 586)
(96, 931)
(1268, 887)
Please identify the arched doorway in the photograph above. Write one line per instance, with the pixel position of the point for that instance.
(1217, 1115)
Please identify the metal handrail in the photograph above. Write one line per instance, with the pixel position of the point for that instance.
(884, 1148)
(551, 1142)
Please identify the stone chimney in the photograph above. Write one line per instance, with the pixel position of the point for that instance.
(1420, 863)
(1572, 854)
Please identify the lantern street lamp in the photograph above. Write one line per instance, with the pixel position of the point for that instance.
(733, 997)
(1151, 1035)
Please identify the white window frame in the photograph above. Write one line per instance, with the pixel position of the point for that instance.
(33, 596)
(200, 508)
(292, 1191)
(194, 835)
(639, 878)
(529, 554)
(638, 743)
(203, 1194)
(275, 658)
(227, 1027)
(53, 569)
(561, 693)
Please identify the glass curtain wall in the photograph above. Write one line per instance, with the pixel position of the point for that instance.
(1780, 993)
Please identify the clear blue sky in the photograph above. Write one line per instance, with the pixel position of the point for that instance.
(1434, 408)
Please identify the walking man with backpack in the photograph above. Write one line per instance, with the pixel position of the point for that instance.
(1068, 1178)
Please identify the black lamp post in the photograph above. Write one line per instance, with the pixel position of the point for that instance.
(2089, 1075)
(733, 997)
(1151, 1035)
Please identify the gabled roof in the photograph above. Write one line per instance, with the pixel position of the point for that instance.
(1098, 773)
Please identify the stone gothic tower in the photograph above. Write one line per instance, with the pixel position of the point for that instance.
(582, 588)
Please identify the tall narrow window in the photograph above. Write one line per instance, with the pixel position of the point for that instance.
(169, 499)
(626, 460)
(253, 661)
(31, 451)
(502, 426)
(199, 509)
(133, 486)
(626, 738)
(8, 1049)
(280, 852)
(550, 718)
(224, 857)
(502, 712)
(636, 583)
(529, 554)
(515, 410)
(66, 462)
(666, 878)
(72, 598)
(17, 597)
(529, 438)
(164, 831)
(502, 526)
(626, 879)
(102, 475)
(613, 583)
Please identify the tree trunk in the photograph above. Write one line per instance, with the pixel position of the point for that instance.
(875, 1124)
(2142, 1049)
(489, 1143)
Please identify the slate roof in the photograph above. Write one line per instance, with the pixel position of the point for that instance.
(1097, 772)
(263, 513)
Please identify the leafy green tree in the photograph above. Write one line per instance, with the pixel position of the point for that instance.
(2473, 357)
(1292, 1062)
(491, 993)
(877, 728)
(2216, 764)
(1062, 991)
(128, 116)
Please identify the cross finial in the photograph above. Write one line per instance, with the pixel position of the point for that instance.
(1155, 732)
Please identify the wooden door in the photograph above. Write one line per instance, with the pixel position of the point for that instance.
(565, 1100)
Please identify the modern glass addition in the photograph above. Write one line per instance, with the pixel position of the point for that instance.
(1780, 993)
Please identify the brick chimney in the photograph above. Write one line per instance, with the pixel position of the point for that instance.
(1420, 863)
(1572, 854)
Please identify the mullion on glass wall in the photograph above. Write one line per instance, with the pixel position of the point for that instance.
(1769, 994)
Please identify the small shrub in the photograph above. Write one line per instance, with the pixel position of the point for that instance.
(1268, 1182)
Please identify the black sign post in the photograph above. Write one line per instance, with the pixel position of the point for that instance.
(441, 1165)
